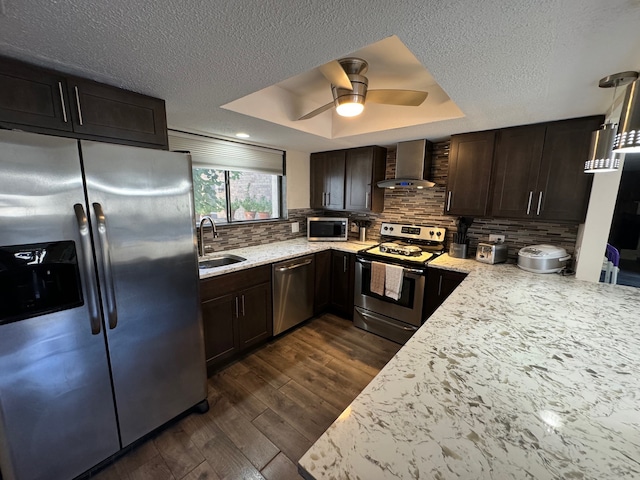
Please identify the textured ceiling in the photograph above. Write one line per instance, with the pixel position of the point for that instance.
(501, 62)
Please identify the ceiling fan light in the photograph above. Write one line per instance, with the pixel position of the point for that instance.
(628, 138)
(350, 103)
(349, 109)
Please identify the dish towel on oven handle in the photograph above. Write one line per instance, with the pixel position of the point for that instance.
(377, 278)
(393, 281)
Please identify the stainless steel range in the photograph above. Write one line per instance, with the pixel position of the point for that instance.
(391, 278)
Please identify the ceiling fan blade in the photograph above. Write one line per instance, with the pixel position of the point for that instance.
(317, 111)
(334, 72)
(409, 98)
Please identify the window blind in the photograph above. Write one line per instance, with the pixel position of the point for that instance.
(210, 152)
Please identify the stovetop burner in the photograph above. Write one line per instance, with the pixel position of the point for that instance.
(399, 249)
(411, 244)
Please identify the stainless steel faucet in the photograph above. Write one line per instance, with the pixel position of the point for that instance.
(201, 251)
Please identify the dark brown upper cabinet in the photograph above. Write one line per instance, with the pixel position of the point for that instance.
(563, 187)
(104, 111)
(538, 170)
(43, 101)
(346, 179)
(365, 167)
(327, 180)
(469, 177)
(33, 97)
(515, 170)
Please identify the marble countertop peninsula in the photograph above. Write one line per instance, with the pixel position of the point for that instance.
(276, 252)
(516, 376)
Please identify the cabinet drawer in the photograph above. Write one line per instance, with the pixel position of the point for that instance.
(232, 282)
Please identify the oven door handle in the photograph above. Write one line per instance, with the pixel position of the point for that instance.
(417, 271)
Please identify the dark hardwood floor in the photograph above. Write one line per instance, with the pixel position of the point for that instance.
(266, 409)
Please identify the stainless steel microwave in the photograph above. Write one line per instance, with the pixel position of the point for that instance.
(327, 229)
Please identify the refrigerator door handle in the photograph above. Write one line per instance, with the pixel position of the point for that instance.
(92, 287)
(112, 311)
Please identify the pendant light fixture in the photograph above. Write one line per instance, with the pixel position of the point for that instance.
(601, 158)
(628, 138)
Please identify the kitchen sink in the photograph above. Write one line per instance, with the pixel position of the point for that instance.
(220, 261)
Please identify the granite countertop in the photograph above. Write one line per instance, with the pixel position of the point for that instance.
(276, 252)
(517, 375)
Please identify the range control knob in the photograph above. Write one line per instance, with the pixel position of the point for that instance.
(386, 228)
(431, 232)
(391, 229)
(439, 233)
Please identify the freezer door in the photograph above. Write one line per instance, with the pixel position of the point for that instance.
(141, 207)
(57, 416)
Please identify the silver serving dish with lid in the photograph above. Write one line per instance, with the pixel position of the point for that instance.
(543, 258)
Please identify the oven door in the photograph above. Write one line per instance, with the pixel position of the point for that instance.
(407, 309)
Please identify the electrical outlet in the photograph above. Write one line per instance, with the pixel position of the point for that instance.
(497, 238)
(295, 227)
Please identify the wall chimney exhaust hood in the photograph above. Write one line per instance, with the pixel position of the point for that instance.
(413, 166)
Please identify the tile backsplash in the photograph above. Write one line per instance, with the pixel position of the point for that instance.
(258, 233)
(420, 207)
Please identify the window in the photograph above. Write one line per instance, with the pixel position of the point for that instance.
(235, 195)
(233, 182)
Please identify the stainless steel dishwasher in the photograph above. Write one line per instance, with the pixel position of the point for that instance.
(292, 292)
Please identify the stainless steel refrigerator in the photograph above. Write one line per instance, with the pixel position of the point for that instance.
(100, 335)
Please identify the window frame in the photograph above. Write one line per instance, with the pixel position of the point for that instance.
(281, 213)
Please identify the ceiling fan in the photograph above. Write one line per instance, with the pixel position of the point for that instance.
(349, 89)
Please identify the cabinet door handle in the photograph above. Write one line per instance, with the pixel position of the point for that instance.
(440, 286)
(64, 109)
(328, 198)
(449, 201)
(366, 198)
(539, 203)
(529, 203)
(324, 199)
(344, 264)
(78, 104)
(243, 313)
(237, 311)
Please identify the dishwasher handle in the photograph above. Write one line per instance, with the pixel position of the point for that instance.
(294, 266)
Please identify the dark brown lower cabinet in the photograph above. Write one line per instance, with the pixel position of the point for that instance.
(236, 313)
(440, 284)
(343, 266)
(254, 315)
(322, 289)
(220, 329)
